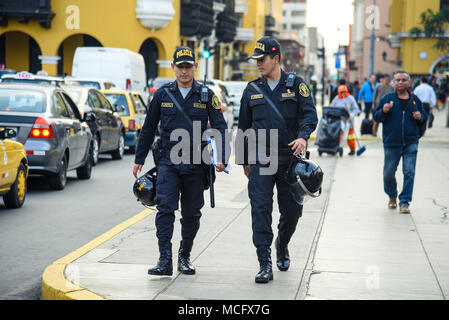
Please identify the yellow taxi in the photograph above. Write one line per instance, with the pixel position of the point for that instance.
(13, 169)
(133, 114)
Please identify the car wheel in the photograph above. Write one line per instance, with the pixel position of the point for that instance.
(16, 195)
(58, 180)
(118, 153)
(85, 171)
(95, 150)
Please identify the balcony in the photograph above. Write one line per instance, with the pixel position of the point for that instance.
(155, 14)
(24, 10)
(244, 35)
(241, 7)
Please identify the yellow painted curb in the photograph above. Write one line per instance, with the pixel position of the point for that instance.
(54, 284)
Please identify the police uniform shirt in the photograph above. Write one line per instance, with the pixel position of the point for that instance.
(296, 106)
(163, 109)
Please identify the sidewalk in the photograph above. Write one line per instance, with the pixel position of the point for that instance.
(348, 245)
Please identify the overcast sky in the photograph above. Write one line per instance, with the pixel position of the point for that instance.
(332, 17)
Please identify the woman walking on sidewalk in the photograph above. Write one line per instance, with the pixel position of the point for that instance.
(346, 101)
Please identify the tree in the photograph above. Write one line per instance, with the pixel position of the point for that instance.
(433, 25)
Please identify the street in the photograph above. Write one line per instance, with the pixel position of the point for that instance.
(348, 244)
(53, 223)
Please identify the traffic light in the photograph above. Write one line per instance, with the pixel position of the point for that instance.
(321, 53)
(206, 54)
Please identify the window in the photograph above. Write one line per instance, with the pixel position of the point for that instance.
(60, 107)
(118, 99)
(108, 85)
(104, 102)
(18, 100)
(296, 26)
(297, 13)
(93, 100)
(140, 106)
(71, 106)
(444, 4)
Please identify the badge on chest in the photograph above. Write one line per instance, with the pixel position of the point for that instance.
(256, 96)
(288, 95)
(199, 105)
(167, 105)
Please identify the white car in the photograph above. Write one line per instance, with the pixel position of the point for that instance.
(235, 90)
(29, 78)
(100, 84)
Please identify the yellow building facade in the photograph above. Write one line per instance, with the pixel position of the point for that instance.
(109, 23)
(120, 24)
(416, 56)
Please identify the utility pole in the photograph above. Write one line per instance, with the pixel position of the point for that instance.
(322, 55)
(371, 55)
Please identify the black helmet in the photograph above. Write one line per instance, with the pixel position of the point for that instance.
(145, 188)
(305, 177)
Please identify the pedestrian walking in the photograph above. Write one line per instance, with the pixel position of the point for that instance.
(402, 114)
(367, 94)
(282, 102)
(346, 101)
(187, 180)
(381, 90)
(426, 94)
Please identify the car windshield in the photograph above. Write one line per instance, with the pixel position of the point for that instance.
(94, 84)
(118, 99)
(33, 81)
(19, 100)
(236, 89)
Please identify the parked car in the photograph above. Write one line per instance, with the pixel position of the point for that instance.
(226, 107)
(48, 123)
(123, 67)
(235, 89)
(100, 84)
(13, 170)
(107, 127)
(133, 114)
(156, 83)
(29, 78)
(4, 71)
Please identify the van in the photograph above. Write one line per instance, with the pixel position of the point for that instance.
(123, 67)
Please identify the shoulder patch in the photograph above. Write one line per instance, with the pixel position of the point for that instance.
(303, 90)
(216, 102)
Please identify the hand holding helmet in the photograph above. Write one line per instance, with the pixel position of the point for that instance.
(145, 188)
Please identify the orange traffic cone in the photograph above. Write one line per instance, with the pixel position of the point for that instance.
(351, 140)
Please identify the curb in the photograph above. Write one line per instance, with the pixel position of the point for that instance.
(54, 284)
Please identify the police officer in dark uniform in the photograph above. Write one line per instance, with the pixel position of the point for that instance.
(294, 102)
(184, 181)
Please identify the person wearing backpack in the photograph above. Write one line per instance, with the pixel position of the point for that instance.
(402, 115)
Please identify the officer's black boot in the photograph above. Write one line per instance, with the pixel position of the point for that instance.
(164, 266)
(266, 270)
(184, 265)
(282, 256)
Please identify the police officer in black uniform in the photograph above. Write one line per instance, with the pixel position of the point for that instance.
(184, 181)
(294, 102)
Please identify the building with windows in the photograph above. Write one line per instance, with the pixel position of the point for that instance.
(360, 44)
(416, 55)
(294, 17)
(44, 34)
